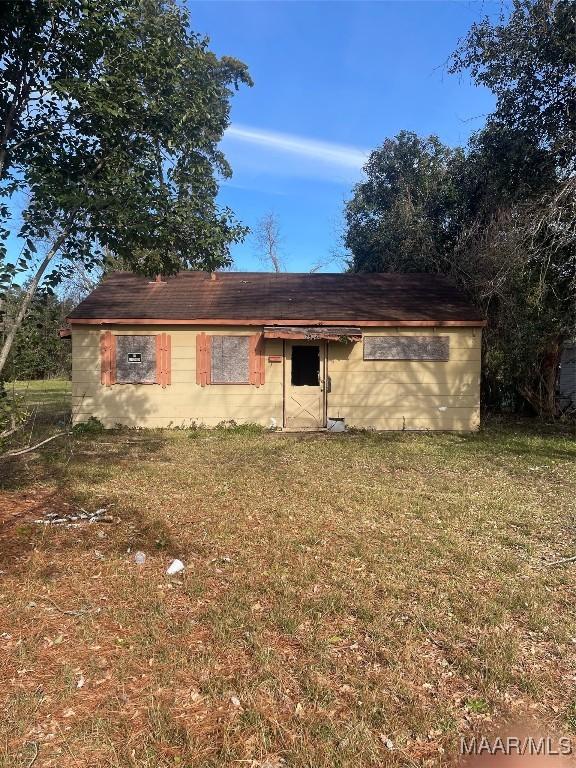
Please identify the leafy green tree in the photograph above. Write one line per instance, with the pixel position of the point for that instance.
(111, 113)
(521, 232)
(518, 262)
(500, 223)
(499, 217)
(528, 61)
(38, 352)
(401, 218)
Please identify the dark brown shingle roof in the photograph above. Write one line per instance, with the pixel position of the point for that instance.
(279, 298)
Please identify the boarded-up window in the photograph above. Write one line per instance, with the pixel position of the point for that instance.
(136, 360)
(407, 348)
(230, 360)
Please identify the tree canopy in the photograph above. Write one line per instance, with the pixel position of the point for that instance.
(528, 61)
(111, 112)
(499, 215)
(401, 218)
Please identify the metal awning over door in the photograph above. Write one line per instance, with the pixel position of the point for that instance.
(313, 333)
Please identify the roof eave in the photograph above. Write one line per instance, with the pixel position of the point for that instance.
(396, 323)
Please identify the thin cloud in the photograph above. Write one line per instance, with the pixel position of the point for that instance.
(341, 156)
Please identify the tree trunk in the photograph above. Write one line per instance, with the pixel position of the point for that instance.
(542, 396)
(550, 371)
(28, 296)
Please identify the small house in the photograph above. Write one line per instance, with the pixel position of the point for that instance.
(287, 351)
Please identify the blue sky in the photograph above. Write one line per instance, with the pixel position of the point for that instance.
(332, 80)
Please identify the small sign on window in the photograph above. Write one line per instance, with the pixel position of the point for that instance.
(134, 357)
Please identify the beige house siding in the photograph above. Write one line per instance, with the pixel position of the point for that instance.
(408, 394)
(377, 394)
(183, 402)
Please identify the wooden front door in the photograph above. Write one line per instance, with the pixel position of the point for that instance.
(304, 385)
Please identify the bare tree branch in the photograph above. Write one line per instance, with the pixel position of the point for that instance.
(11, 429)
(31, 448)
(267, 237)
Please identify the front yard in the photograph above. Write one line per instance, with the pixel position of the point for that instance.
(352, 600)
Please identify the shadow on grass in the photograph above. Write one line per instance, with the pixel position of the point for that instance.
(79, 460)
(75, 457)
(523, 438)
(19, 533)
(52, 479)
(498, 437)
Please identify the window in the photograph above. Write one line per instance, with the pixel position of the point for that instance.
(407, 348)
(136, 360)
(230, 360)
(305, 366)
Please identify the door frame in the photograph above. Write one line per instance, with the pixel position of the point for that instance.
(322, 344)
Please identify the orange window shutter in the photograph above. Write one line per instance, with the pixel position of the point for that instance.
(202, 359)
(104, 359)
(253, 376)
(107, 358)
(262, 358)
(168, 360)
(256, 360)
(208, 359)
(112, 359)
(163, 359)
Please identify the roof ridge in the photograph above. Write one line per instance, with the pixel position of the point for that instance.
(279, 275)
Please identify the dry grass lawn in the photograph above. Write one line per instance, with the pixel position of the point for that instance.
(351, 600)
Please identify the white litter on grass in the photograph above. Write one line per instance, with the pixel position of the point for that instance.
(388, 743)
(139, 558)
(75, 519)
(175, 567)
